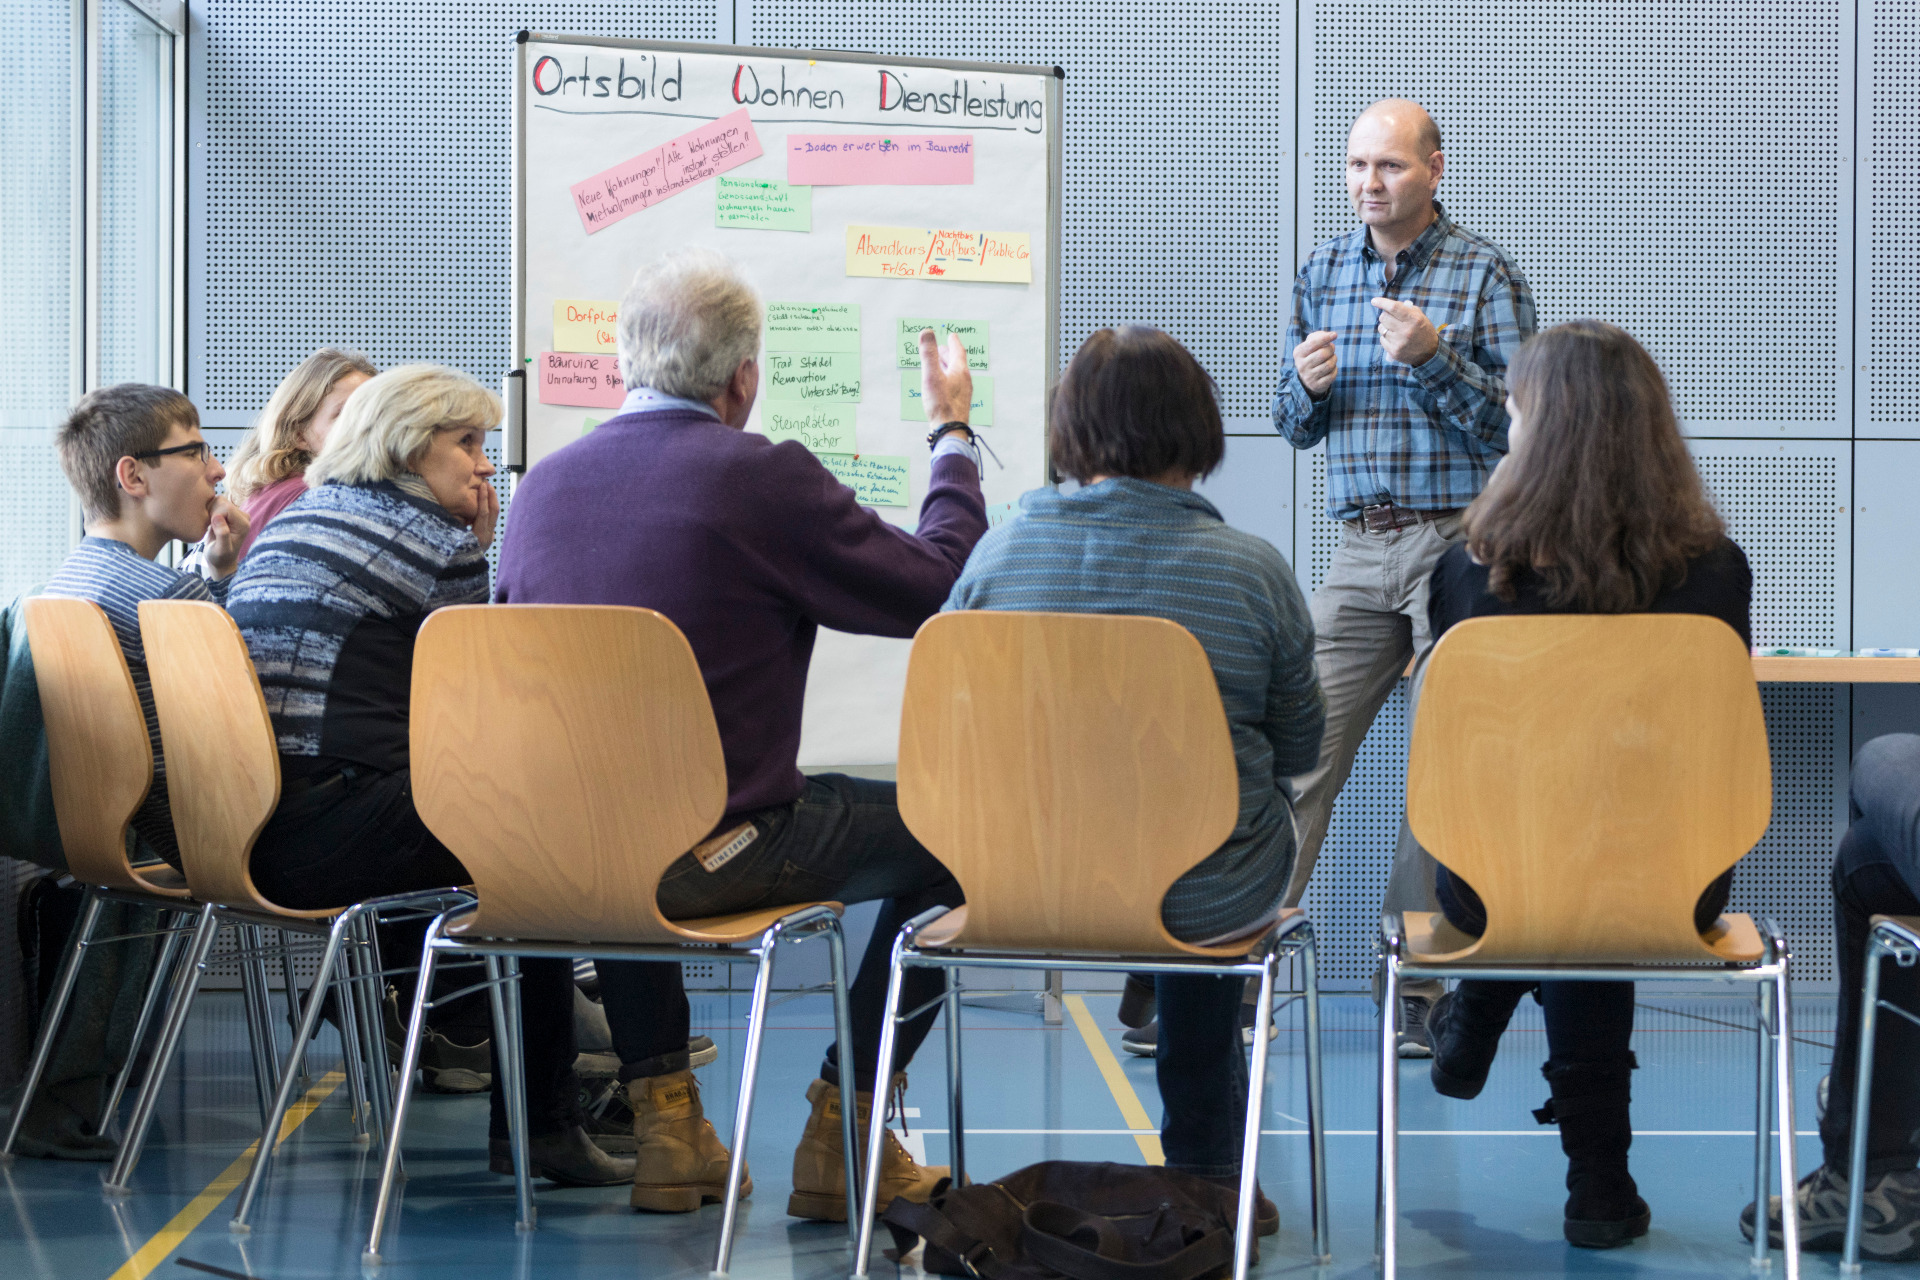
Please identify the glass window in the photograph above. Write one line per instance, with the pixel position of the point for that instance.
(136, 197)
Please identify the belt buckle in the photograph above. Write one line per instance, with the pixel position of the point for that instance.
(1386, 515)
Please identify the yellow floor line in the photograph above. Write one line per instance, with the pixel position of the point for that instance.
(154, 1252)
(1117, 1082)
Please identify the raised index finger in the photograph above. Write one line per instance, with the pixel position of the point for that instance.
(1387, 305)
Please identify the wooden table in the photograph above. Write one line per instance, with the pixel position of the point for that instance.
(1837, 670)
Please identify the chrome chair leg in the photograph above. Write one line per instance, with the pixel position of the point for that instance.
(353, 1058)
(1782, 988)
(1862, 1104)
(50, 1021)
(1387, 1208)
(193, 966)
(743, 1105)
(247, 941)
(409, 1063)
(369, 992)
(163, 964)
(876, 1117)
(956, 1111)
(291, 989)
(289, 1078)
(1316, 1100)
(1762, 1121)
(1250, 1140)
(514, 1068)
(843, 1039)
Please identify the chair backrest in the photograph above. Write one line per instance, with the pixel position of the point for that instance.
(1589, 776)
(97, 746)
(223, 763)
(1068, 768)
(566, 754)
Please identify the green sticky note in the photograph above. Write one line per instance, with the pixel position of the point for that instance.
(912, 410)
(823, 428)
(590, 424)
(813, 377)
(972, 332)
(878, 479)
(803, 326)
(762, 205)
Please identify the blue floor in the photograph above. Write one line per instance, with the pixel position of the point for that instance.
(1481, 1190)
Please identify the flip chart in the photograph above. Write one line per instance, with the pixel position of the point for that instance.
(915, 253)
(823, 428)
(972, 332)
(581, 324)
(914, 409)
(800, 326)
(876, 159)
(591, 382)
(767, 204)
(879, 480)
(813, 377)
(666, 170)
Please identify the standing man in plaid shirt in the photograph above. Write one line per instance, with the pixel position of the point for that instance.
(1400, 338)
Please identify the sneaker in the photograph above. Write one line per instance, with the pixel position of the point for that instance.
(446, 1067)
(1246, 1027)
(1143, 1041)
(701, 1051)
(1820, 1100)
(1414, 1041)
(1889, 1218)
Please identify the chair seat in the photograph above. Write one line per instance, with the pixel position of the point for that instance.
(942, 932)
(1910, 923)
(1432, 941)
(743, 926)
(159, 878)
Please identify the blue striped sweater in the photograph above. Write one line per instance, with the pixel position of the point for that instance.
(1132, 547)
(330, 599)
(117, 578)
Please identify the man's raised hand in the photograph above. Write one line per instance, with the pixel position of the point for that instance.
(1406, 334)
(1315, 362)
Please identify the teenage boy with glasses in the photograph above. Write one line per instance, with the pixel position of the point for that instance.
(145, 478)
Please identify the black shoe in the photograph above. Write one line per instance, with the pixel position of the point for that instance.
(569, 1158)
(701, 1051)
(1413, 1041)
(1138, 1000)
(1144, 1041)
(1591, 1104)
(1246, 1026)
(1465, 1032)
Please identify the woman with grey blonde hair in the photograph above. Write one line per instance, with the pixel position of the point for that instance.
(269, 468)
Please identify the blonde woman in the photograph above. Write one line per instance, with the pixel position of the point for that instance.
(269, 468)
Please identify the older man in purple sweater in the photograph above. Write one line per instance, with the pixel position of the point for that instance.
(750, 546)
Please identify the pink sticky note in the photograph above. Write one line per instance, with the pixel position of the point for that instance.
(879, 159)
(666, 170)
(591, 382)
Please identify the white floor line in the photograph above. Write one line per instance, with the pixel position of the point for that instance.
(1545, 1131)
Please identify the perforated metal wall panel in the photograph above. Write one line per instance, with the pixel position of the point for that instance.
(1592, 142)
(1178, 186)
(1889, 348)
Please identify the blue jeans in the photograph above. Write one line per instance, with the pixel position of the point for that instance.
(843, 841)
(1877, 872)
(1201, 1068)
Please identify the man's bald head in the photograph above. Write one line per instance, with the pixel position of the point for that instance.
(1405, 117)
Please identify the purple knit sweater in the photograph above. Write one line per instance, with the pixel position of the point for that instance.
(748, 546)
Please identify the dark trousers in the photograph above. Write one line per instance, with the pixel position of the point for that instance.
(359, 837)
(1201, 1067)
(1877, 872)
(843, 841)
(1589, 1024)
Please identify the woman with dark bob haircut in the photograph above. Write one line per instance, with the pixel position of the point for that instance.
(1135, 421)
(1597, 508)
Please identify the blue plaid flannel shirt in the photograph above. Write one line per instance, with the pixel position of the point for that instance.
(1425, 437)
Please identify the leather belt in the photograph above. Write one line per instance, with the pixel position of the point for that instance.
(1386, 517)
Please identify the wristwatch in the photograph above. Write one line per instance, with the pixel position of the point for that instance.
(933, 436)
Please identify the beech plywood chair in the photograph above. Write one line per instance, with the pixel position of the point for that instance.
(101, 763)
(223, 761)
(567, 755)
(1068, 768)
(1589, 776)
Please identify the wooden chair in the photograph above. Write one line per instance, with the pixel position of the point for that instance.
(1897, 937)
(1068, 768)
(1589, 776)
(224, 764)
(101, 763)
(567, 755)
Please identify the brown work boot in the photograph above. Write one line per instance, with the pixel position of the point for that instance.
(819, 1176)
(680, 1162)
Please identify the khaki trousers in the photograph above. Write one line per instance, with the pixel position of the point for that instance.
(1369, 620)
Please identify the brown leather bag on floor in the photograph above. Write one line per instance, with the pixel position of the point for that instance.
(1072, 1219)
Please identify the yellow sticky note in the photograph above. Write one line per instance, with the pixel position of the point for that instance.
(915, 253)
(581, 324)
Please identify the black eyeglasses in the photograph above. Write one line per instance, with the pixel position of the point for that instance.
(199, 451)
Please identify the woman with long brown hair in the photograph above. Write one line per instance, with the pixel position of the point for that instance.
(1597, 508)
(269, 468)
